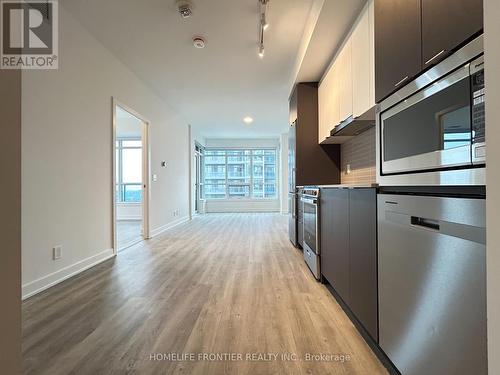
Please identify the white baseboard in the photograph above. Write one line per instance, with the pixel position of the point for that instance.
(157, 231)
(45, 282)
(242, 205)
(242, 211)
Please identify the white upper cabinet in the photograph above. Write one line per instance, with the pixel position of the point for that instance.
(345, 79)
(371, 44)
(322, 110)
(363, 63)
(348, 87)
(328, 104)
(334, 104)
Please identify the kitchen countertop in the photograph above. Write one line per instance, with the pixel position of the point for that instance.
(349, 186)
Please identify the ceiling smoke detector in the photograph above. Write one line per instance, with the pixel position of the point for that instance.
(199, 42)
(185, 8)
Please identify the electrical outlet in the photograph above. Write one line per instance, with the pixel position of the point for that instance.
(348, 169)
(57, 252)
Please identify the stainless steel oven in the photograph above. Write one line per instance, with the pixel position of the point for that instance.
(300, 218)
(437, 123)
(292, 218)
(310, 202)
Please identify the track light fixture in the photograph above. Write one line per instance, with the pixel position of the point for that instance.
(263, 25)
(261, 51)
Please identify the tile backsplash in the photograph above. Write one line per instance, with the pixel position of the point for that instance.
(359, 153)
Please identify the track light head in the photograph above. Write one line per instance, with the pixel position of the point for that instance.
(261, 51)
(263, 26)
(263, 21)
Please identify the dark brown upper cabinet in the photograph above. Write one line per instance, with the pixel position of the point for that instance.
(446, 24)
(413, 35)
(309, 162)
(398, 44)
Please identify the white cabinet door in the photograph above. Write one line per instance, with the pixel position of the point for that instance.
(334, 115)
(348, 88)
(361, 65)
(322, 109)
(371, 41)
(345, 78)
(328, 102)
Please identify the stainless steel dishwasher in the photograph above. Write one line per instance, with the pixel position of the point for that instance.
(432, 284)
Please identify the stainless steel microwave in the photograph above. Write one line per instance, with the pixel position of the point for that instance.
(437, 122)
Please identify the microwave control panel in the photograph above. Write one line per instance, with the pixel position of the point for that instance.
(478, 107)
(478, 112)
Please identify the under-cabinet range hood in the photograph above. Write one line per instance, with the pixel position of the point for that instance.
(354, 126)
(351, 127)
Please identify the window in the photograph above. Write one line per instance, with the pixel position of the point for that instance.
(240, 174)
(129, 170)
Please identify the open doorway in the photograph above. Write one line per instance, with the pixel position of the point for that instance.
(198, 161)
(130, 177)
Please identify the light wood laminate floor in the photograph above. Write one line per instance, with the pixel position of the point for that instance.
(228, 283)
(128, 232)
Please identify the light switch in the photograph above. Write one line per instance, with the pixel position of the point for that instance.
(155, 177)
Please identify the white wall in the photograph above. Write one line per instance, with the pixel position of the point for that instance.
(244, 205)
(129, 211)
(67, 157)
(492, 65)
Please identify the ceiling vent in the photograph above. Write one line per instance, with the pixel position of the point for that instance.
(185, 8)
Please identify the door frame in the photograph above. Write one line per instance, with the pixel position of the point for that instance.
(146, 172)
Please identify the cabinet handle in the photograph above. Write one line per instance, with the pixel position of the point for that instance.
(400, 82)
(435, 57)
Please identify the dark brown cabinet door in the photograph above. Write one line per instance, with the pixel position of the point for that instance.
(446, 24)
(363, 258)
(335, 239)
(398, 52)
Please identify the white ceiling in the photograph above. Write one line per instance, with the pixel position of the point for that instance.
(331, 28)
(213, 88)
